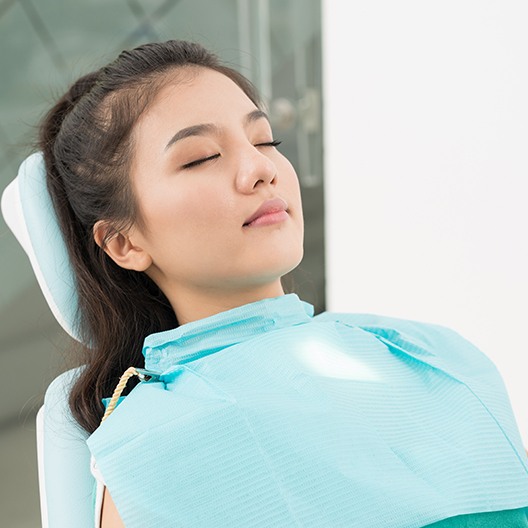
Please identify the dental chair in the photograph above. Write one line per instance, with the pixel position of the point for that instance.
(70, 494)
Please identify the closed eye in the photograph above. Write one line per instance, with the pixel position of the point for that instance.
(274, 143)
(194, 163)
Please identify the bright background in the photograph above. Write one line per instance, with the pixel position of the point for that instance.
(426, 163)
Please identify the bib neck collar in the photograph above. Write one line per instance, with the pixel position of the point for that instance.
(211, 334)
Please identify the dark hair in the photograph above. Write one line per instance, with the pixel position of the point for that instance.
(87, 145)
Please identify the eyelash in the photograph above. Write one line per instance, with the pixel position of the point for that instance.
(195, 163)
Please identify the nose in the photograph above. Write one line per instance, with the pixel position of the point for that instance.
(254, 169)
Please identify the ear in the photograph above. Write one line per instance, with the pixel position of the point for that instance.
(119, 247)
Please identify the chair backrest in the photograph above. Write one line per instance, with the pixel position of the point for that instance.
(28, 211)
(40, 468)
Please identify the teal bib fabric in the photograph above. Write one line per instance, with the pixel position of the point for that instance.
(502, 519)
(266, 416)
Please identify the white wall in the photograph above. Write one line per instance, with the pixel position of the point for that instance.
(426, 169)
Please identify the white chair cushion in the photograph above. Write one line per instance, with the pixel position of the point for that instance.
(28, 211)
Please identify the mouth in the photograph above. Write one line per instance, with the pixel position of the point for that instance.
(270, 212)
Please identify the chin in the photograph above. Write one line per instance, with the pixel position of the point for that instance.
(262, 271)
(279, 263)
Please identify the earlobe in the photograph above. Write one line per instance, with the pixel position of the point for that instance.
(119, 247)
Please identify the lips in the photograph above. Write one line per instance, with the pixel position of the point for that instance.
(275, 205)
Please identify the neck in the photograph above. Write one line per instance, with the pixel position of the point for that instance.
(191, 304)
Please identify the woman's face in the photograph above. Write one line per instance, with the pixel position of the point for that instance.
(203, 166)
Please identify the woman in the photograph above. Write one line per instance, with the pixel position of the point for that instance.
(180, 217)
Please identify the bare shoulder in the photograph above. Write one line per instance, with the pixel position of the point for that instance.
(109, 515)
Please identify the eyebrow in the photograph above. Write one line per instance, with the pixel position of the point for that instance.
(206, 129)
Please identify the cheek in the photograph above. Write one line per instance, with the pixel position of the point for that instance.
(290, 182)
(189, 216)
(286, 171)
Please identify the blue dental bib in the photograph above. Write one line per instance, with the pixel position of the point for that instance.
(266, 416)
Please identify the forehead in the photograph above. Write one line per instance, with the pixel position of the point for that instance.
(197, 95)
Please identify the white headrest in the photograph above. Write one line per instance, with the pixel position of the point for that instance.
(29, 213)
